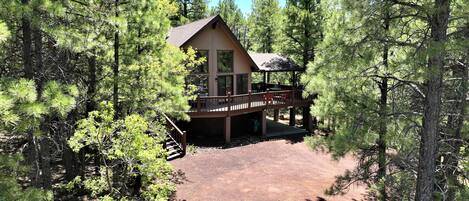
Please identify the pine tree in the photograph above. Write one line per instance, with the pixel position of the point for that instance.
(198, 10)
(265, 25)
(302, 30)
(363, 86)
(232, 15)
(438, 23)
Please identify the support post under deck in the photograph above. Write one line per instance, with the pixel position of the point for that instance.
(227, 129)
(292, 116)
(276, 113)
(264, 123)
(307, 119)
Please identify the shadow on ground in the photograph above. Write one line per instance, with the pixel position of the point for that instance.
(275, 131)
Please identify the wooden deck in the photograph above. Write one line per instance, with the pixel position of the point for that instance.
(222, 106)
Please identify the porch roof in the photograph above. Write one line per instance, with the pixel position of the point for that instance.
(272, 62)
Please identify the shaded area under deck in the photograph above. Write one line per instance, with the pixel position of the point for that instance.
(277, 129)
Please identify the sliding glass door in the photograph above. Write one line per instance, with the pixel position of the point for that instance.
(225, 84)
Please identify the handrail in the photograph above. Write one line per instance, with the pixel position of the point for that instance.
(182, 134)
(235, 103)
(243, 95)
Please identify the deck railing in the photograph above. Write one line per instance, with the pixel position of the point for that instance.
(176, 134)
(247, 101)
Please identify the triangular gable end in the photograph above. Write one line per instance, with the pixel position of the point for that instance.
(182, 35)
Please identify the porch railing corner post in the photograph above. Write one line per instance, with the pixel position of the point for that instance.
(249, 98)
(184, 142)
(229, 102)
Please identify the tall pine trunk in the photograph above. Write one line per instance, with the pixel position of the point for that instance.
(90, 102)
(383, 113)
(45, 155)
(27, 43)
(32, 151)
(432, 104)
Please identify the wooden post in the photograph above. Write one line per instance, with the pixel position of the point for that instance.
(227, 129)
(292, 116)
(276, 113)
(264, 123)
(184, 142)
(267, 97)
(249, 98)
(198, 103)
(293, 96)
(229, 103)
(307, 119)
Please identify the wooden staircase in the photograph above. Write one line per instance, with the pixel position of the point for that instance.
(175, 142)
(174, 150)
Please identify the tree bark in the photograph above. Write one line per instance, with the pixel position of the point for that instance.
(45, 159)
(383, 113)
(31, 152)
(432, 104)
(27, 43)
(90, 102)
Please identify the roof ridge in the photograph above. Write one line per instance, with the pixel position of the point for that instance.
(194, 22)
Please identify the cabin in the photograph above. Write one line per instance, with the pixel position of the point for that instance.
(228, 101)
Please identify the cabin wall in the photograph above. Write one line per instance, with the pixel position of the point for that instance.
(219, 39)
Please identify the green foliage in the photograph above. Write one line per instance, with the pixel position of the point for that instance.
(4, 33)
(265, 25)
(302, 30)
(10, 189)
(131, 143)
(198, 10)
(22, 111)
(232, 15)
(348, 75)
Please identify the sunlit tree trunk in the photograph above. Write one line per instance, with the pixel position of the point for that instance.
(432, 104)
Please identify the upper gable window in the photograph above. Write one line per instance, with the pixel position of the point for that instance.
(225, 61)
(202, 68)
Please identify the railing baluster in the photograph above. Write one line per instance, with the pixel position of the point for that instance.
(229, 103)
(198, 103)
(184, 142)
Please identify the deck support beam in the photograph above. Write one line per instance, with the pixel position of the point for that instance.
(276, 113)
(308, 119)
(292, 116)
(227, 129)
(264, 123)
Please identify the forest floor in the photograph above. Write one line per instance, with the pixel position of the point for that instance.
(279, 169)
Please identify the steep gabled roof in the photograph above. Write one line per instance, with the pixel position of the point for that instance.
(271, 62)
(179, 36)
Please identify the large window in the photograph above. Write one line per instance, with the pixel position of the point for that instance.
(199, 76)
(225, 61)
(202, 68)
(242, 84)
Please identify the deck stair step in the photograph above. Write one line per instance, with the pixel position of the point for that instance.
(173, 149)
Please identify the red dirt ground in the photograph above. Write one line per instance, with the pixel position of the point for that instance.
(269, 170)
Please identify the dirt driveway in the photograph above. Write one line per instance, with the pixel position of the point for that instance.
(269, 170)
